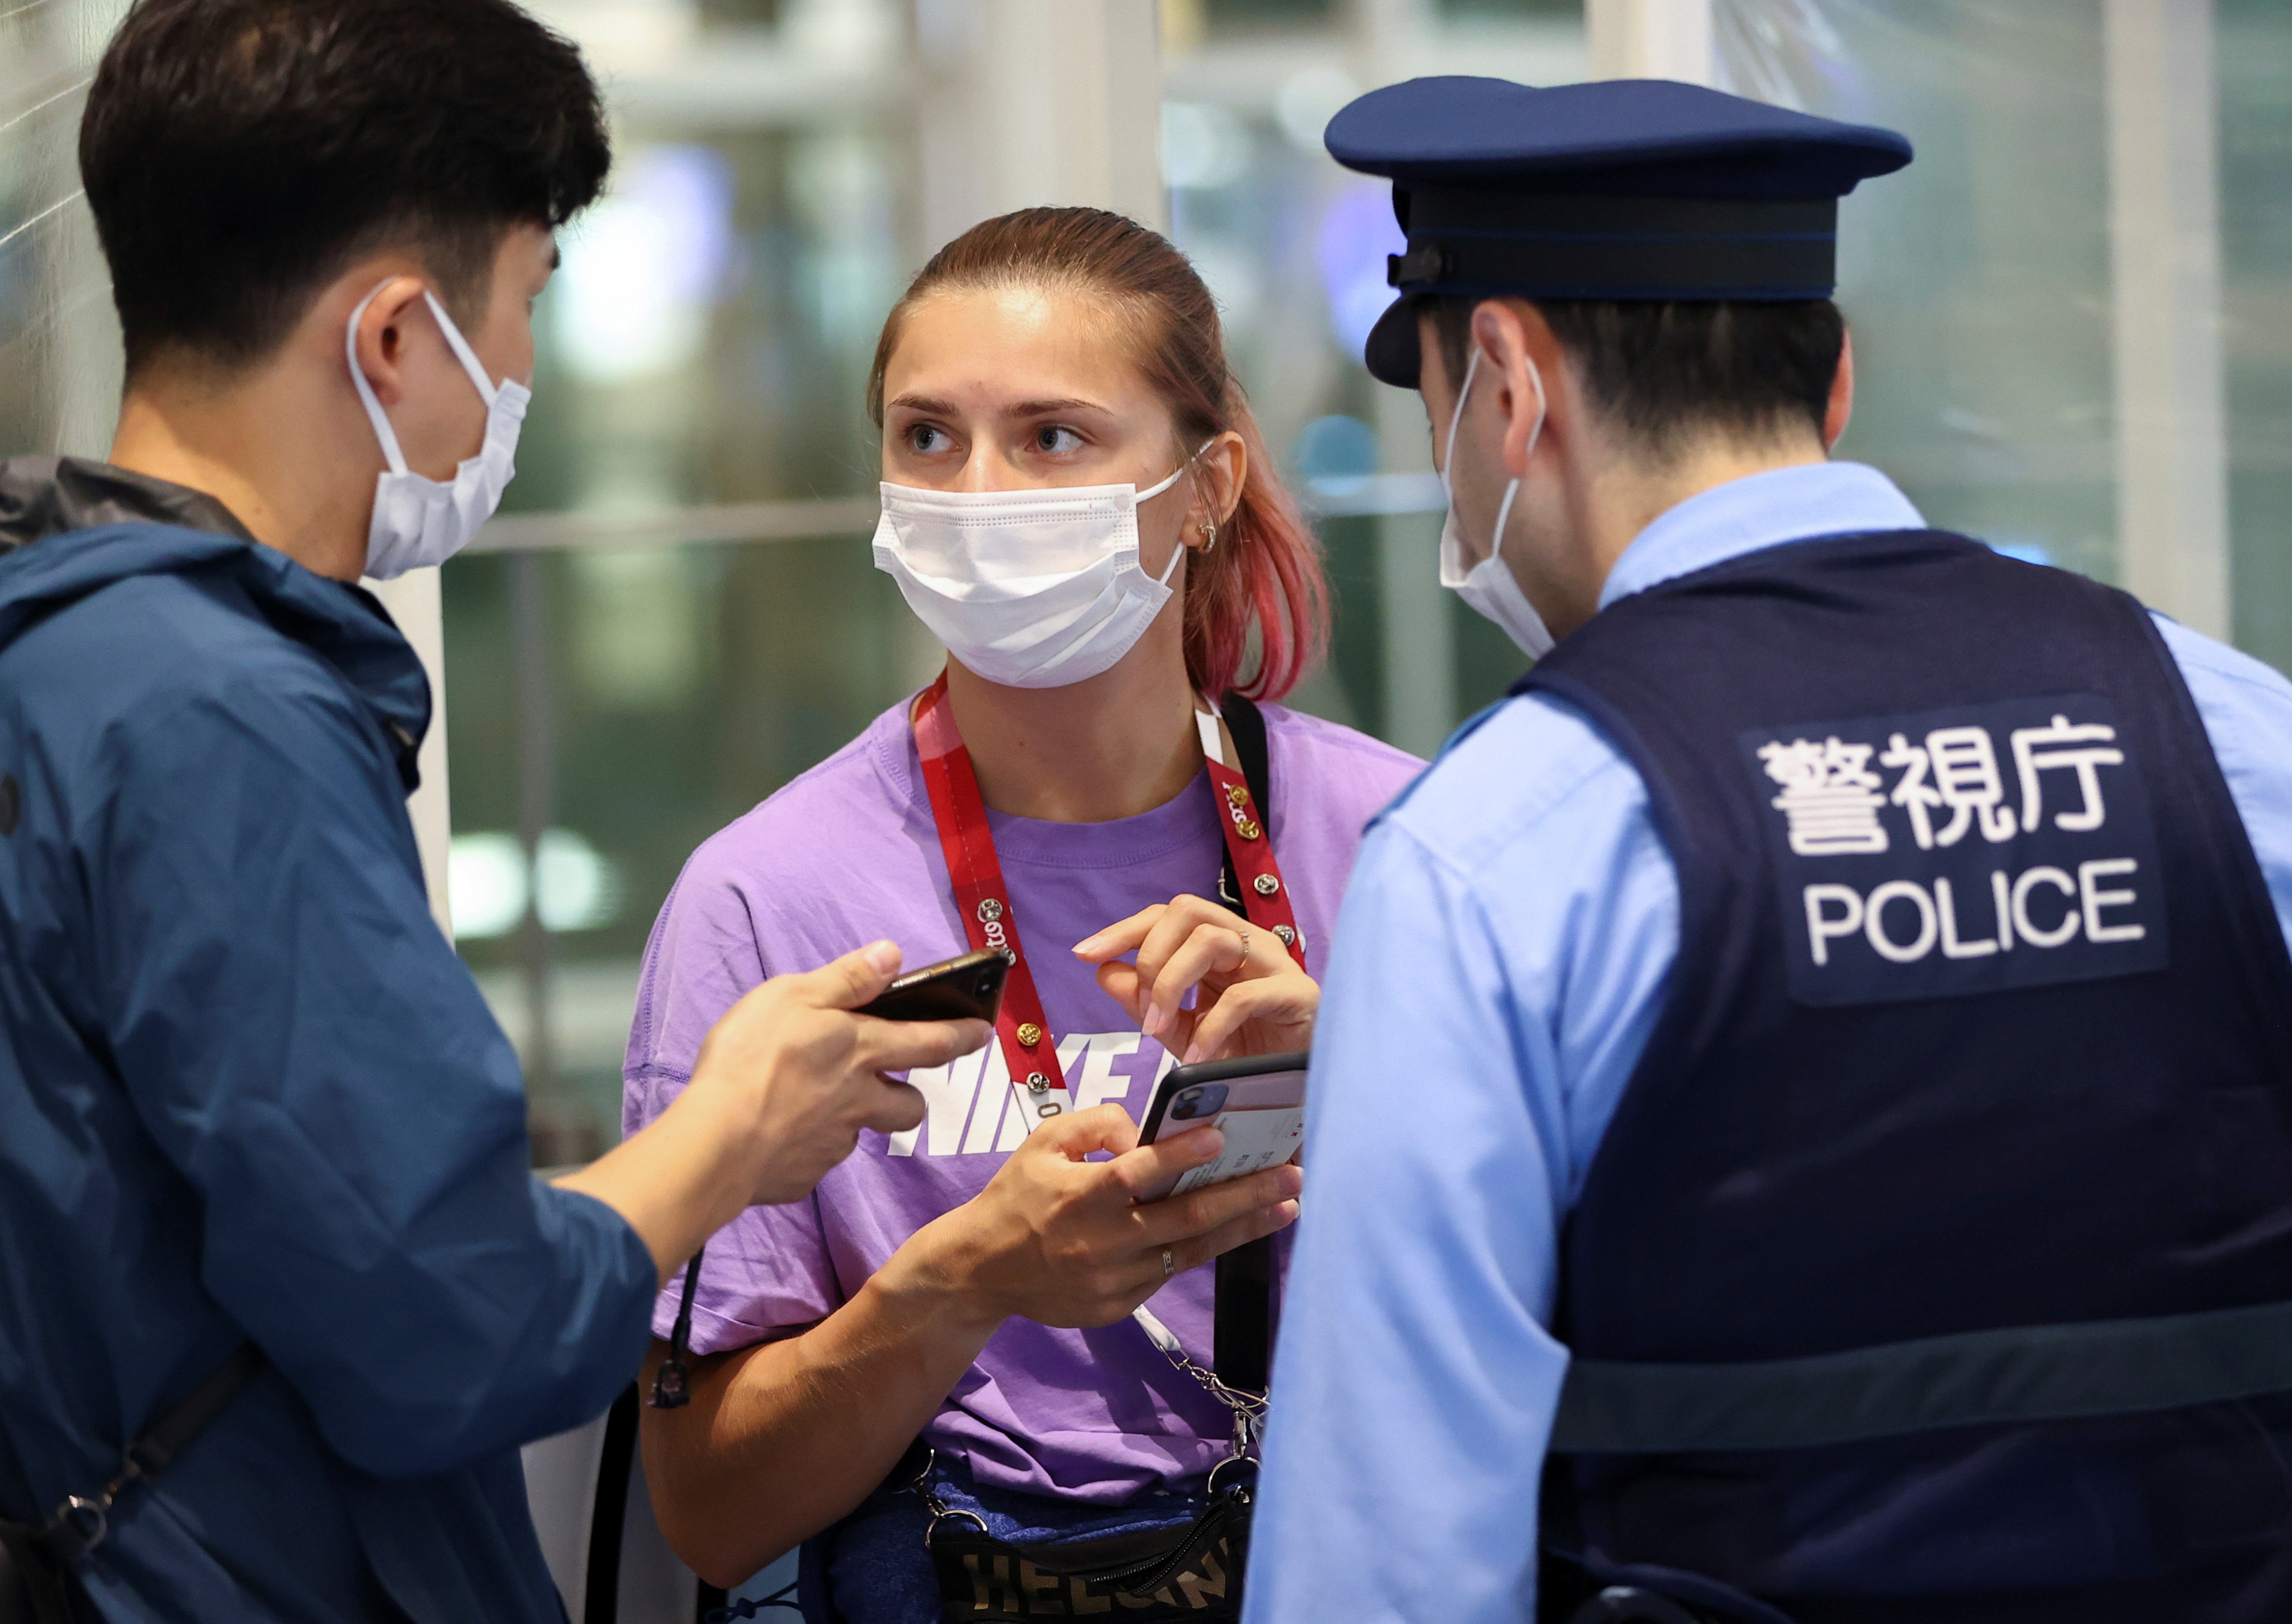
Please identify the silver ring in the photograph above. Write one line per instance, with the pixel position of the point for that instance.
(1169, 1265)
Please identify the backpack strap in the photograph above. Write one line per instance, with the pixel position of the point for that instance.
(83, 1522)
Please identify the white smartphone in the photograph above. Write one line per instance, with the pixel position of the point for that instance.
(1258, 1103)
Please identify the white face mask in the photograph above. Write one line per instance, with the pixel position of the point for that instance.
(419, 521)
(1488, 587)
(1029, 589)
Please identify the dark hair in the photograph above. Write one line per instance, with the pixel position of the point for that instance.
(1662, 373)
(1263, 575)
(239, 154)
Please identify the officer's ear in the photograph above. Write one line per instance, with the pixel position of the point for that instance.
(1840, 411)
(1523, 370)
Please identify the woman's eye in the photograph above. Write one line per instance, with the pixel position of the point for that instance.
(926, 440)
(1051, 439)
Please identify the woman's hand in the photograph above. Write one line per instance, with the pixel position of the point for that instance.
(1253, 998)
(1065, 1241)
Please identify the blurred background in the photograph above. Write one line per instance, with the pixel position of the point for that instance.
(2072, 320)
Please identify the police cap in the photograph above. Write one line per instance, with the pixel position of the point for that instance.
(1626, 189)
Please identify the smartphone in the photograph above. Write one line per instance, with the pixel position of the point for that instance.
(1258, 1103)
(965, 989)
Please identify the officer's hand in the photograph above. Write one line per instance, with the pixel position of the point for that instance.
(1065, 1241)
(1251, 996)
(804, 1075)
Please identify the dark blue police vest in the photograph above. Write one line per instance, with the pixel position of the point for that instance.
(1938, 1263)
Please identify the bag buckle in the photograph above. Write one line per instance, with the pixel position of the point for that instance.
(941, 1511)
(80, 1525)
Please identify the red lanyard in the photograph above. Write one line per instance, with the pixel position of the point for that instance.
(1028, 1050)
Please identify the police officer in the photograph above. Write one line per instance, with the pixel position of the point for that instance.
(1812, 1064)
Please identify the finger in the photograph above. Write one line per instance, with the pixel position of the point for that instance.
(896, 1108)
(1076, 1134)
(1200, 910)
(1153, 956)
(1150, 1165)
(1183, 916)
(1184, 1217)
(1147, 1275)
(1119, 938)
(1120, 983)
(902, 1046)
(1177, 919)
(1177, 1033)
(1253, 1225)
(1276, 1001)
(850, 980)
(1212, 949)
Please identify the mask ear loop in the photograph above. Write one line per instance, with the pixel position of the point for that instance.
(1456, 420)
(487, 388)
(1171, 568)
(1504, 513)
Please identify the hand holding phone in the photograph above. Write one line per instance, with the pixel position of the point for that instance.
(1257, 1103)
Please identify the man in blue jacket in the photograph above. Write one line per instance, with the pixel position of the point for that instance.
(253, 1115)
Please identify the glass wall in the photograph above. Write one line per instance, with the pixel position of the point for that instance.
(59, 342)
(1977, 281)
(2254, 45)
(677, 613)
(1295, 247)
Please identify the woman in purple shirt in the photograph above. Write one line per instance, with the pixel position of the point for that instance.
(1077, 503)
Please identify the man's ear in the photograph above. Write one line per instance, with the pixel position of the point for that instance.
(1522, 361)
(380, 343)
(1840, 411)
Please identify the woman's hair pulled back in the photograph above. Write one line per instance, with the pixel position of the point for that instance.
(1265, 568)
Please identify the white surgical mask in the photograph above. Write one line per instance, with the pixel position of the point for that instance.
(419, 521)
(1488, 587)
(1029, 589)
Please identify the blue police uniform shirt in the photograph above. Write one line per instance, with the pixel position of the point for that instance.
(1499, 962)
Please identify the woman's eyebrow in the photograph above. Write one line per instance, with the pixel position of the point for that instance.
(932, 406)
(926, 405)
(1042, 408)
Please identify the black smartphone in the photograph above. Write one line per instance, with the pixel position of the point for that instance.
(1258, 1102)
(965, 989)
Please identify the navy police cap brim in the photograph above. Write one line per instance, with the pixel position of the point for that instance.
(1394, 352)
(1613, 138)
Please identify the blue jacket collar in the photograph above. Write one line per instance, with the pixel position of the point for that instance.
(343, 625)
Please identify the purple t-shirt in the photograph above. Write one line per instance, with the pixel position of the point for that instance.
(848, 853)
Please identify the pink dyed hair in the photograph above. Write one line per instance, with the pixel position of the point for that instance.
(1265, 570)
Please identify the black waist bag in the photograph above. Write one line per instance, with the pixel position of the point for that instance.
(1190, 1575)
(35, 1582)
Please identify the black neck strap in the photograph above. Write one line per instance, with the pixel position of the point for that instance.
(1242, 1343)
